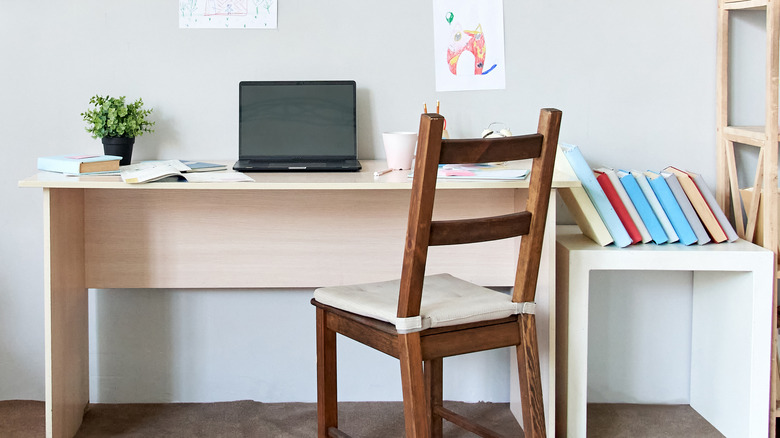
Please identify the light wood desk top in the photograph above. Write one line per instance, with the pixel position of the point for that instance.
(362, 180)
(286, 229)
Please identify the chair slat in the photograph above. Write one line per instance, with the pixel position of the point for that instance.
(486, 150)
(461, 231)
(335, 433)
(465, 424)
(474, 339)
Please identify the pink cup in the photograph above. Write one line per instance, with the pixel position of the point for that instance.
(399, 149)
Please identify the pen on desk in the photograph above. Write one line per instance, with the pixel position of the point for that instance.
(382, 172)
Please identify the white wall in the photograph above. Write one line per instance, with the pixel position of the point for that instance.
(635, 81)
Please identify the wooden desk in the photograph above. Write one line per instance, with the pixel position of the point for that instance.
(283, 230)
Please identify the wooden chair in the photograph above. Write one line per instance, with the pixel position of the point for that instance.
(427, 318)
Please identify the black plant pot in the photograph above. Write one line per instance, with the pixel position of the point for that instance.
(121, 146)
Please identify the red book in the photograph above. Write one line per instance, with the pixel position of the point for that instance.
(617, 204)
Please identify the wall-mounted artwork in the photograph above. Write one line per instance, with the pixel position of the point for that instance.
(227, 14)
(469, 44)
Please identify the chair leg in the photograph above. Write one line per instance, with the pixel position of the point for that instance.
(434, 391)
(416, 411)
(531, 400)
(327, 400)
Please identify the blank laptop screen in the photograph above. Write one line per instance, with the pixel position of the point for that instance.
(300, 119)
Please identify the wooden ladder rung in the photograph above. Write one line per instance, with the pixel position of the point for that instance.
(744, 4)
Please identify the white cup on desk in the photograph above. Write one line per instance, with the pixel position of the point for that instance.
(399, 149)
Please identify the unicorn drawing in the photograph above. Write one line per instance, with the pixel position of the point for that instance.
(466, 41)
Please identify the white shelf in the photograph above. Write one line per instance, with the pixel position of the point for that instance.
(731, 326)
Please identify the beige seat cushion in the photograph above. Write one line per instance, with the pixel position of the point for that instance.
(446, 300)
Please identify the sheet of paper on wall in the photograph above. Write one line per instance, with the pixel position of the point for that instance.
(227, 14)
(469, 45)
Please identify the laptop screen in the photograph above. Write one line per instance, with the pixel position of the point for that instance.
(297, 119)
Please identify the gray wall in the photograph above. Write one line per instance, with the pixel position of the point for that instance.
(635, 81)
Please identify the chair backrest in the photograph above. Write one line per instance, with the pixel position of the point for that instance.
(421, 232)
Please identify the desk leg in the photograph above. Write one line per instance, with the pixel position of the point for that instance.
(571, 296)
(561, 339)
(730, 357)
(66, 326)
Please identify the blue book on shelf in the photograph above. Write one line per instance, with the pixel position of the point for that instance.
(643, 207)
(671, 208)
(641, 179)
(596, 194)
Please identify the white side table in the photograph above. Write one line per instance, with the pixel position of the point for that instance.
(731, 326)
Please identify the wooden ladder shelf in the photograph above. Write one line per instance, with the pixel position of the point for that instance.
(754, 210)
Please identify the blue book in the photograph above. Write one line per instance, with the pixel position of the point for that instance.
(641, 179)
(596, 194)
(643, 207)
(671, 208)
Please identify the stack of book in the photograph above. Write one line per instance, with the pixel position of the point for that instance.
(630, 207)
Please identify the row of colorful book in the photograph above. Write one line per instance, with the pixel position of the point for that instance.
(630, 207)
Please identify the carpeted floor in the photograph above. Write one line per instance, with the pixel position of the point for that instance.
(25, 419)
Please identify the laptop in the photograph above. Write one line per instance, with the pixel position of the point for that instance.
(297, 126)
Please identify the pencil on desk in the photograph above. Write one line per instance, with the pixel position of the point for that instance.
(382, 172)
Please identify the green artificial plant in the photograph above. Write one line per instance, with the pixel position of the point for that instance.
(112, 117)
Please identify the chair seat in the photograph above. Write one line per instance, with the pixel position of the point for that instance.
(446, 300)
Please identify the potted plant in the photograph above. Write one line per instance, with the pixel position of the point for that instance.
(117, 123)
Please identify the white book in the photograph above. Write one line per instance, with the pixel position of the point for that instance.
(687, 208)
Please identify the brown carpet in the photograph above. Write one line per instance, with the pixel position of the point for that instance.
(25, 419)
(647, 421)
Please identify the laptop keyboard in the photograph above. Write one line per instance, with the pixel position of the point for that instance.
(249, 166)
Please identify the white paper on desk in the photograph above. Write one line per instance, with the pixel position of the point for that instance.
(149, 171)
(500, 171)
(174, 170)
(483, 174)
